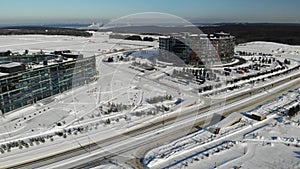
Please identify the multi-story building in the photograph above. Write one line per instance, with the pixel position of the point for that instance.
(197, 49)
(25, 83)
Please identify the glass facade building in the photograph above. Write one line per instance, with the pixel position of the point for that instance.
(199, 49)
(40, 81)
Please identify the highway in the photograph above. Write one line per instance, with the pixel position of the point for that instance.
(198, 117)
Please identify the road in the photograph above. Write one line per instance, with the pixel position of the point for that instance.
(155, 139)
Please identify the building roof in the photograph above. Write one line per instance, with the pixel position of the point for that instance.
(3, 74)
(229, 120)
(10, 65)
(183, 35)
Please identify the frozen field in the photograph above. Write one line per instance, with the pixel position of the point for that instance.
(133, 89)
(119, 99)
(97, 44)
(279, 50)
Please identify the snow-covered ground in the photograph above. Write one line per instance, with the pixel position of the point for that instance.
(272, 143)
(248, 139)
(97, 44)
(279, 50)
(119, 99)
(129, 93)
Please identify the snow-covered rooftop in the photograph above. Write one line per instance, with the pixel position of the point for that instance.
(229, 120)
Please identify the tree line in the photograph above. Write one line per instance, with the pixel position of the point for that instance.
(45, 31)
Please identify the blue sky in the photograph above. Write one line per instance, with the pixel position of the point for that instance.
(47, 11)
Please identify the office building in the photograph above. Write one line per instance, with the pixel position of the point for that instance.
(41, 76)
(199, 49)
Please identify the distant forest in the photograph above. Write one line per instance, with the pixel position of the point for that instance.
(244, 32)
(280, 33)
(43, 31)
